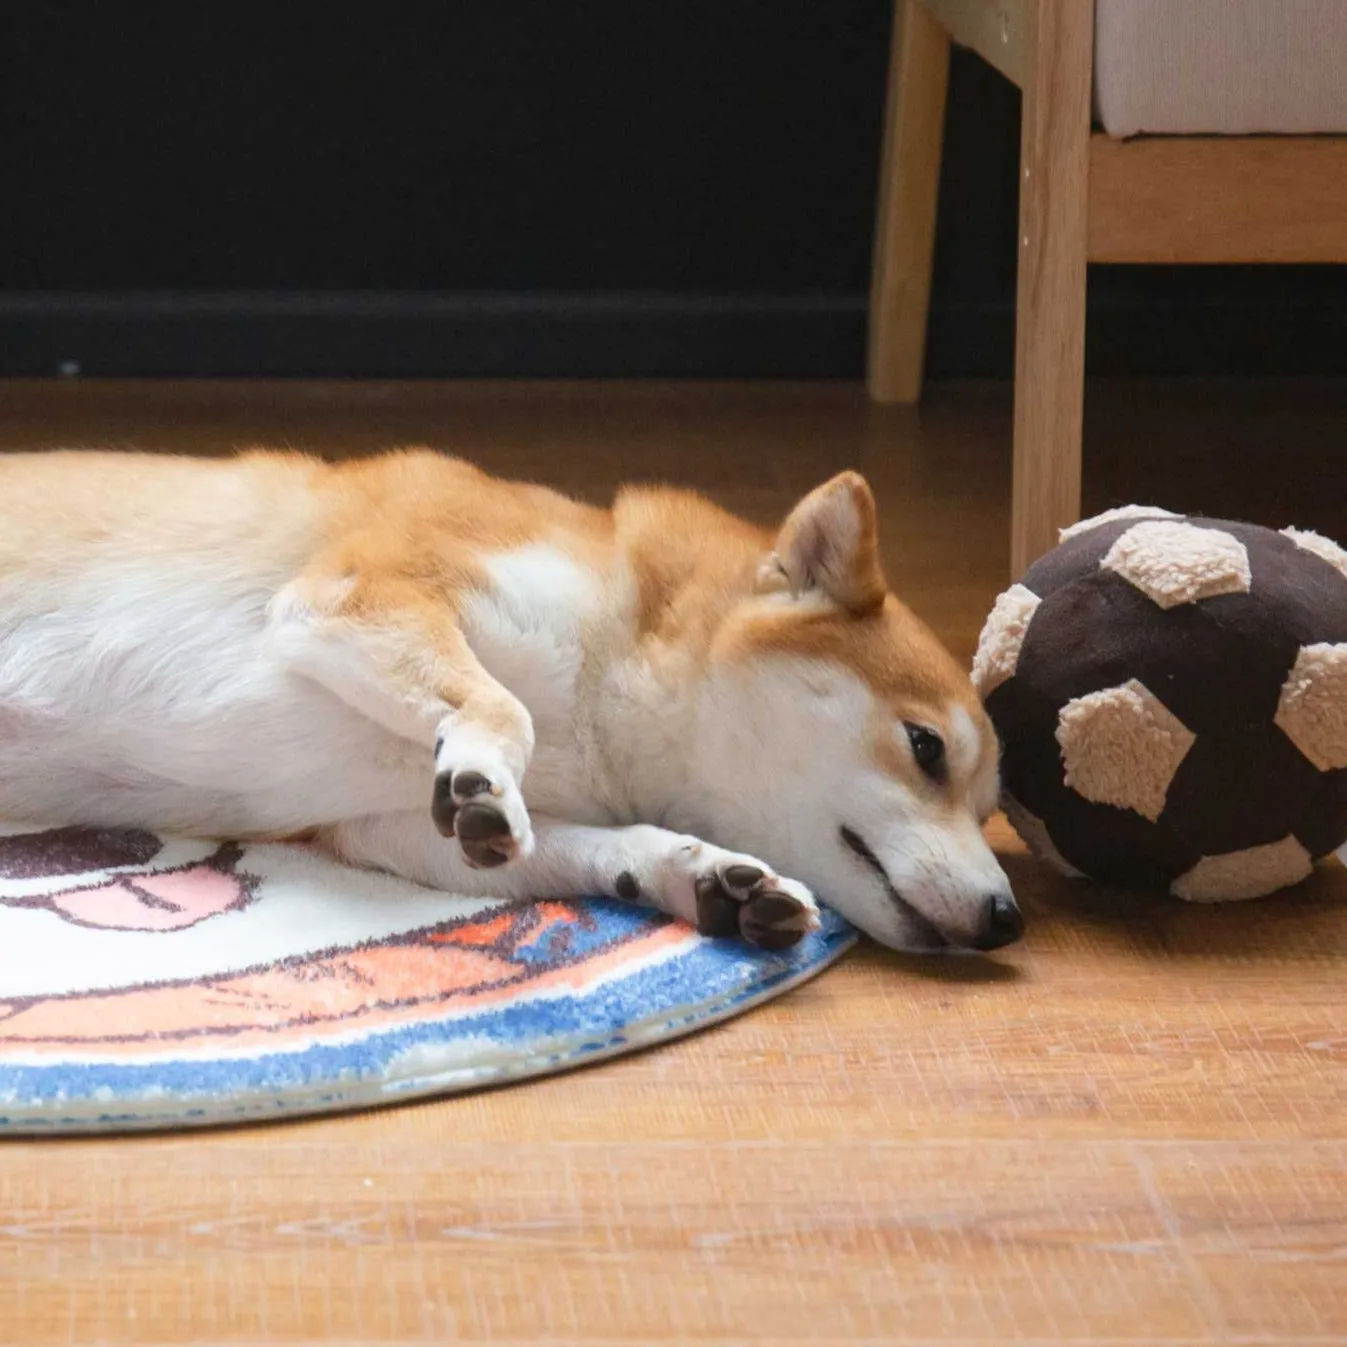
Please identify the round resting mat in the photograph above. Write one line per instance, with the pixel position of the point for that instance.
(158, 982)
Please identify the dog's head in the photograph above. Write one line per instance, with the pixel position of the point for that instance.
(845, 744)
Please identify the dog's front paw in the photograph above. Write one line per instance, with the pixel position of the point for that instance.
(477, 800)
(739, 895)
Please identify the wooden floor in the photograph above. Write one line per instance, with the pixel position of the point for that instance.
(1131, 1128)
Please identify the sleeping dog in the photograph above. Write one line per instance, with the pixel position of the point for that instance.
(490, 688)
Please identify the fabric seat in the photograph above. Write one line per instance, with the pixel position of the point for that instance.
(1222, 67)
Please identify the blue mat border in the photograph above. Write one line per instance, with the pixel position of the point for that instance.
(553, 1032)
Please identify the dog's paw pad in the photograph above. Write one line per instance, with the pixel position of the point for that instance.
(467, 785)
(747, 900)
(454, 789)
(489, 820)
(742, 879)
(717, 909)
(483, 832)
(775, 921)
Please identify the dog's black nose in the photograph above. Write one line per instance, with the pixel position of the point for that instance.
(1003, 923)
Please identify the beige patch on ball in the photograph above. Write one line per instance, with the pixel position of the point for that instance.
(1323, 548)
(1312, 710)
(1250, 873)
(1122, 746)
(1034, 833)
(1179, 563)
(1002, 638)
(1108, 517)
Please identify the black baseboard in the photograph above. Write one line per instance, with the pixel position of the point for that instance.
(379, 335)
(1174, 339)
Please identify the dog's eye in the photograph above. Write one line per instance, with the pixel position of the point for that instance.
(928, 748)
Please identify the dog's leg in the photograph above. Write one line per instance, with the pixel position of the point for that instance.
(401, 659)
(720, 892)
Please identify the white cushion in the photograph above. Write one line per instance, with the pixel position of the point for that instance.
(1234, 67)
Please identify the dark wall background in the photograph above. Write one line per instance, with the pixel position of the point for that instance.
(531, 188)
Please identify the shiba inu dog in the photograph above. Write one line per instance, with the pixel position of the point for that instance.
(487, 687)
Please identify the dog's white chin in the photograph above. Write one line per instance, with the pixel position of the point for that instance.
(919, 942)
(883, 921)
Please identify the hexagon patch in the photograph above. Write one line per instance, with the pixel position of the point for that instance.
(1312, 711)
(1122, 746)
(1173, 563)
(1002, 636)
(1250, 873)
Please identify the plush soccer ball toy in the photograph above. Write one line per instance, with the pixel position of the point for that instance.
(1171, 696)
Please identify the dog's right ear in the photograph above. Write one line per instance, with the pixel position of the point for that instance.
(830, 544)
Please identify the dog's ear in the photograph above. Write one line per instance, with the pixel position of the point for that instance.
(830, 543)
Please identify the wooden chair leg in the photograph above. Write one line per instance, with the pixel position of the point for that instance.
(1050, 301)
(909, 184)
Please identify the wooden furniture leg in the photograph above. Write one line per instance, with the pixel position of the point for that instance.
(1050, 301)
(909, 184)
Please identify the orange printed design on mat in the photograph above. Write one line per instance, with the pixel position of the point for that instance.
(470, 967)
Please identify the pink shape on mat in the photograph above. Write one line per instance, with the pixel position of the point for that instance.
(153, 902)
